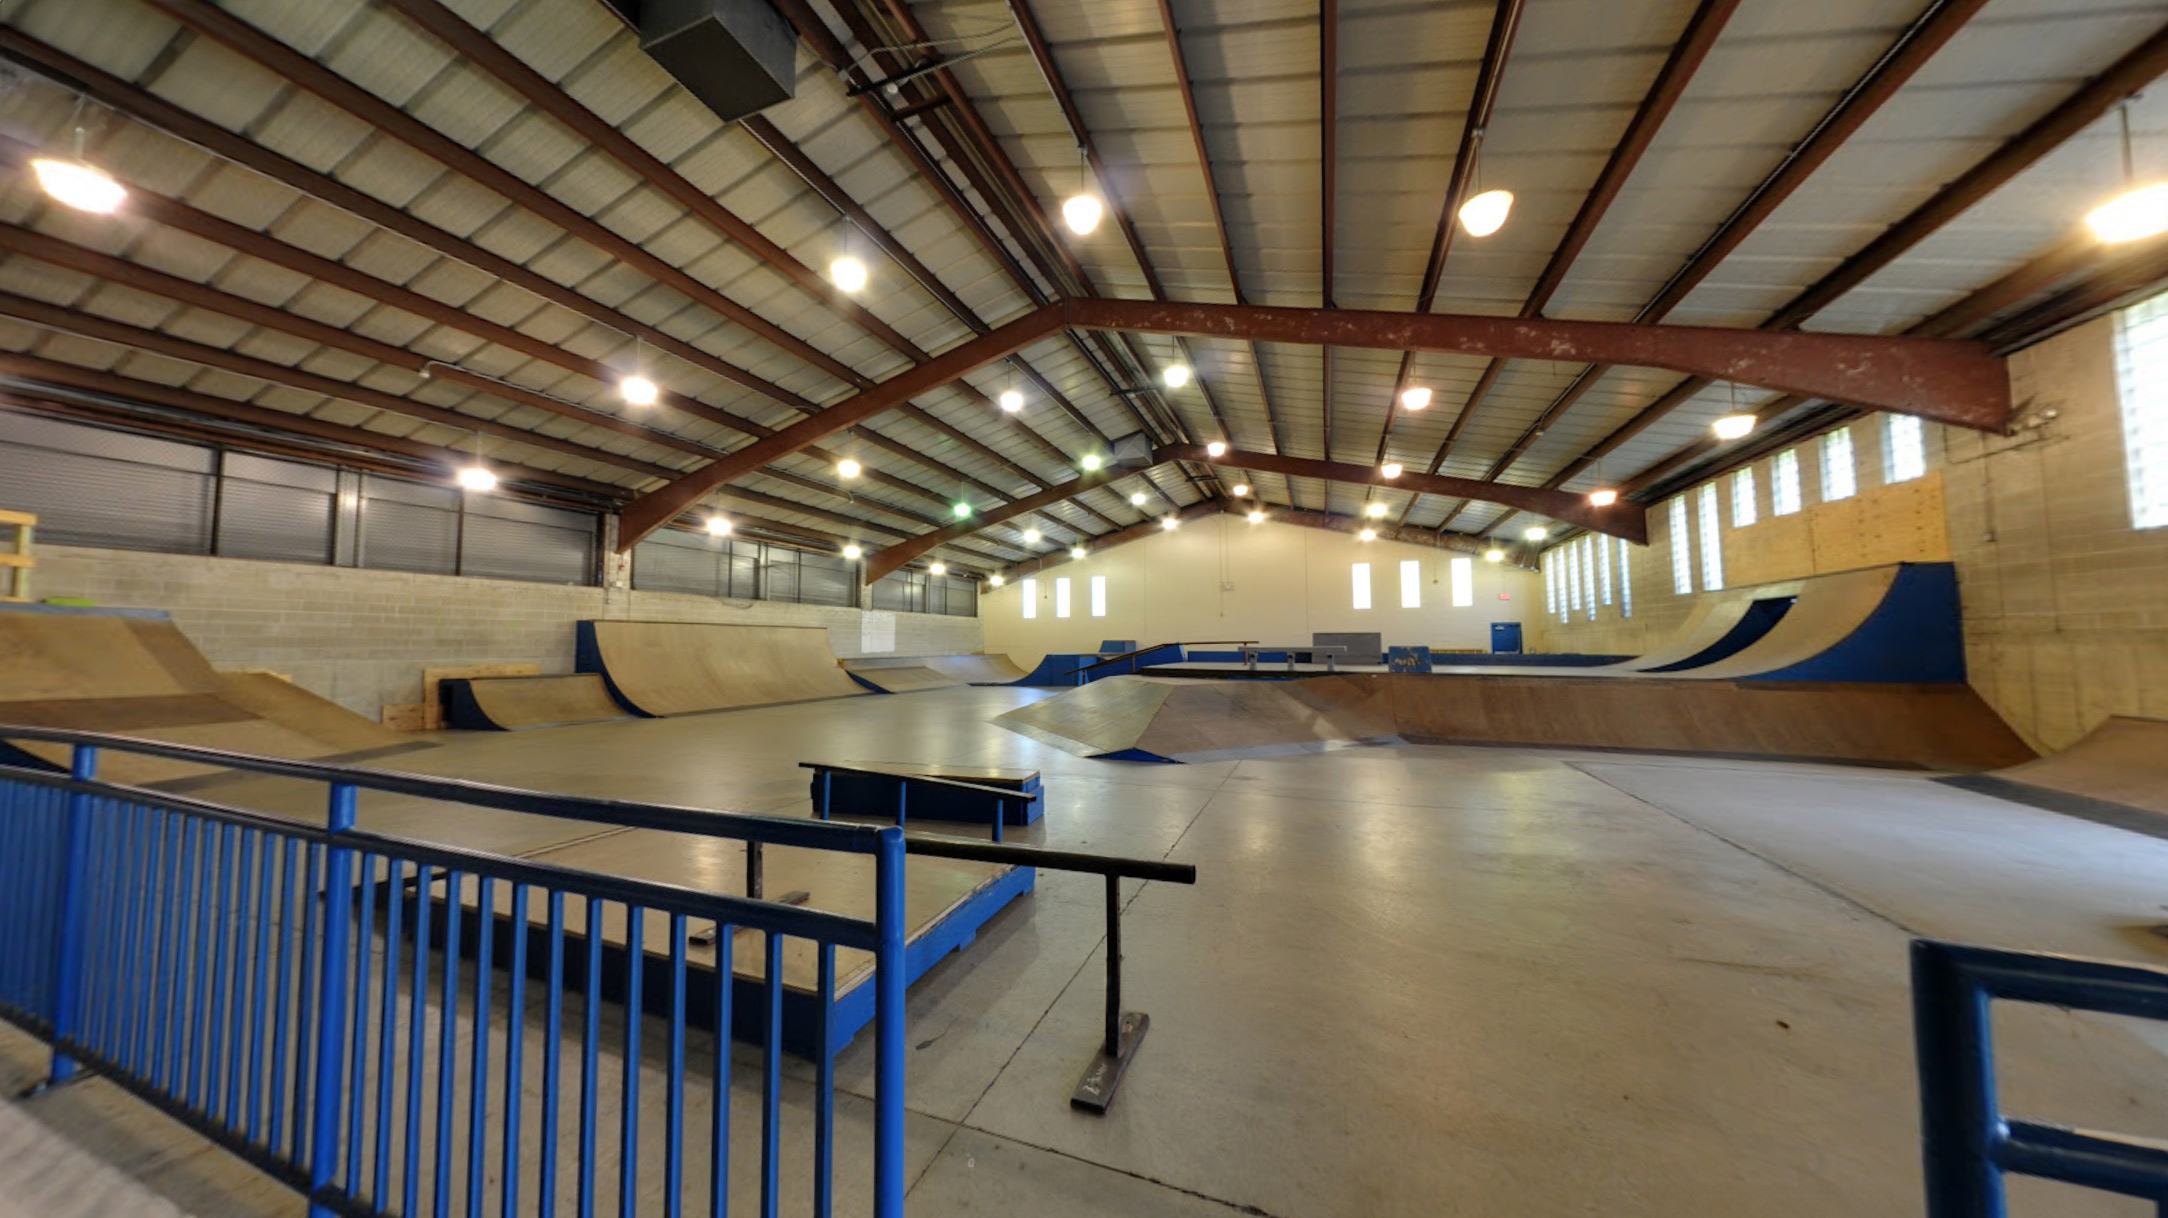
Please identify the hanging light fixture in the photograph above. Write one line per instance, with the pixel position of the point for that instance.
(1737, 425)
(77, 183)
(849, 468)
(1082, 210)
(848, 274)
(1486, 213)
(718, 526)
(1390, 469)
(1217, 448)
(939, 568)
(1076, 551)
(853, 552)
(962, 510)
(1415, 397)
(1367, 535)
(1239, 489)
(1256, 516)
(1376, 511)
(1494, 555)
(1081, 213)
(1011, 400)
(1031, 537)
(2139, 212)
(1603, 498)
(477, 477)
(1175, 375)
(1536, 533)
(996, 580)
(82, 187)
(637, 390)
(1171, 523)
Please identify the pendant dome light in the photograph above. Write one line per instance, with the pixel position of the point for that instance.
(2139, 212)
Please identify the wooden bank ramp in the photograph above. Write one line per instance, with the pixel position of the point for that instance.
(2118, 773)
(132, 672)
(683, 668)
(509, 704)
(904, 674)
(1152, 718)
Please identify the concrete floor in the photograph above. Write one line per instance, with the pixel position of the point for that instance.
(1411, 980)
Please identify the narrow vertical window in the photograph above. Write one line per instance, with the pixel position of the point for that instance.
(1744, 511)
(1682, 549)
(1625, 579)
(1550, 583)
(1712, 541)
(1904, 454)
(1463, 582)
(1588, 573)
(1839, 477)
(2141, 376)
(1573, 579)
(1361, 572)
(1603, 567)
(1784, 483)
(1099, 596)
(1031, 599)
(1061, 597)
(1411, 583)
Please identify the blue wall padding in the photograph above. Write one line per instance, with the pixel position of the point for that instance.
(1916, 636)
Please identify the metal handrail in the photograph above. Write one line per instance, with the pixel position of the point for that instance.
(1966, 1141)
(131, 902)
(775, 830)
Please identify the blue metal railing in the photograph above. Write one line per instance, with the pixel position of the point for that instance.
(1967, 1142)
(324, 1001)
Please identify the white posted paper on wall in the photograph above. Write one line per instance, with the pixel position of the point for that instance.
(878, 634)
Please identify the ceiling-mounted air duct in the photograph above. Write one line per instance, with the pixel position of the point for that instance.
(739, 57)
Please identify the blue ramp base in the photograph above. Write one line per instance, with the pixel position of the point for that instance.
(852, 1010)
(1914, 637)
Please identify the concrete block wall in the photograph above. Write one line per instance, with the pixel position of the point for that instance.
(2066, 604)
(1881, 523)
(362, 637)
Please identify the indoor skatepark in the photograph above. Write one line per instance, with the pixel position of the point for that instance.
(884, 607)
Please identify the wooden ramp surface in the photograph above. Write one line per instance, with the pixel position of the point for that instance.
(1713, 618)
(136, 674)
(511, 703)
(683, 668)
(900, 676)
(2124, 761)
(979, 669)
(1938, 726)
(1827, 612)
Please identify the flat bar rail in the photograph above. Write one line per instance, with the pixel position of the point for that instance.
(999, 797)
(1966, 1141)
(396, 1027)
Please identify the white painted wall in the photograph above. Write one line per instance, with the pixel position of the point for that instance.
(1224, 578)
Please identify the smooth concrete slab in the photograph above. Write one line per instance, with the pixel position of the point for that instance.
(1419, 980)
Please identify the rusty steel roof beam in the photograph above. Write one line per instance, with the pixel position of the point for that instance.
(1904, 58)
(1947, 380)
(1620, 519)
(1031, 225)
(2143, 65)
(313, 77)
(1505, 26)
(1687, 54)
(652, 510)
(154, 112)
